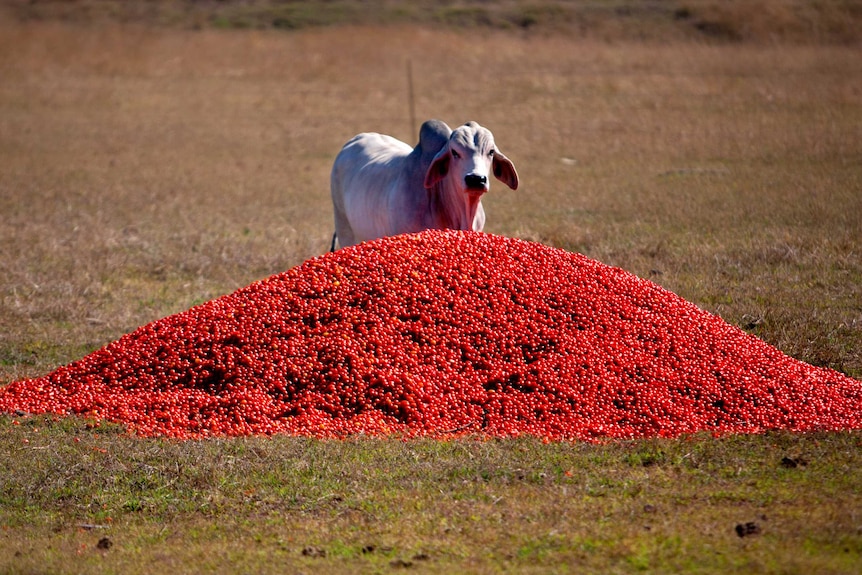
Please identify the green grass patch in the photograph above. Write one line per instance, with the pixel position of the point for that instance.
(361, 504)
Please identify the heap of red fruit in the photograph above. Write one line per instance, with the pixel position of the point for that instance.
(443, 333)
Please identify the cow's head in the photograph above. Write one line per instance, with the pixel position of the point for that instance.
(468, 159)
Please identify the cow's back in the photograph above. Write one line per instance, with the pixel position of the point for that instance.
(366, 175)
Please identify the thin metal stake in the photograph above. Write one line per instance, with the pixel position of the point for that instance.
(411, 102)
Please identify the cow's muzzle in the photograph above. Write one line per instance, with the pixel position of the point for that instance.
(476, 182)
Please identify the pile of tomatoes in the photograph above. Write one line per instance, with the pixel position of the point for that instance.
(445, 333)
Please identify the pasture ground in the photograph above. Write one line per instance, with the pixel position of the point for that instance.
(144, 169)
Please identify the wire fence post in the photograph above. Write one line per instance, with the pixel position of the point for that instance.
(411, 102)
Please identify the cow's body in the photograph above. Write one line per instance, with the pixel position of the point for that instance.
(382, 187)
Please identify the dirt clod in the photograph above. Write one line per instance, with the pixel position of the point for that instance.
(793, 462)
(313, 552)
(747, 529)
(104, 544)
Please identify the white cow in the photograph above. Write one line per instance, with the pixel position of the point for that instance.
(383, 187)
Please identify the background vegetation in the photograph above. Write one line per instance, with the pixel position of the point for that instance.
(831, 21)
(155, 155)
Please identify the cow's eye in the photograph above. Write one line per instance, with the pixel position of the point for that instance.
(491, 154)
(455, 154)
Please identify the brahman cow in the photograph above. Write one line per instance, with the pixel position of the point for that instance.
(383, 187)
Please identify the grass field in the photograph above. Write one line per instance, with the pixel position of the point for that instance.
(146, 167)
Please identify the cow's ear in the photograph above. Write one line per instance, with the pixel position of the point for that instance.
(438, 169)
(504, 170)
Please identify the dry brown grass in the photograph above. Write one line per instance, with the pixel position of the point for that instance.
(143, 170)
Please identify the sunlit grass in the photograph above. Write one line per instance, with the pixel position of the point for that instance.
(519, 504)
(143, 171)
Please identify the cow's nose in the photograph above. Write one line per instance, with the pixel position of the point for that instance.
(475, 181)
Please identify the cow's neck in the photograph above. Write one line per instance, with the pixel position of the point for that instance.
(453, 209)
